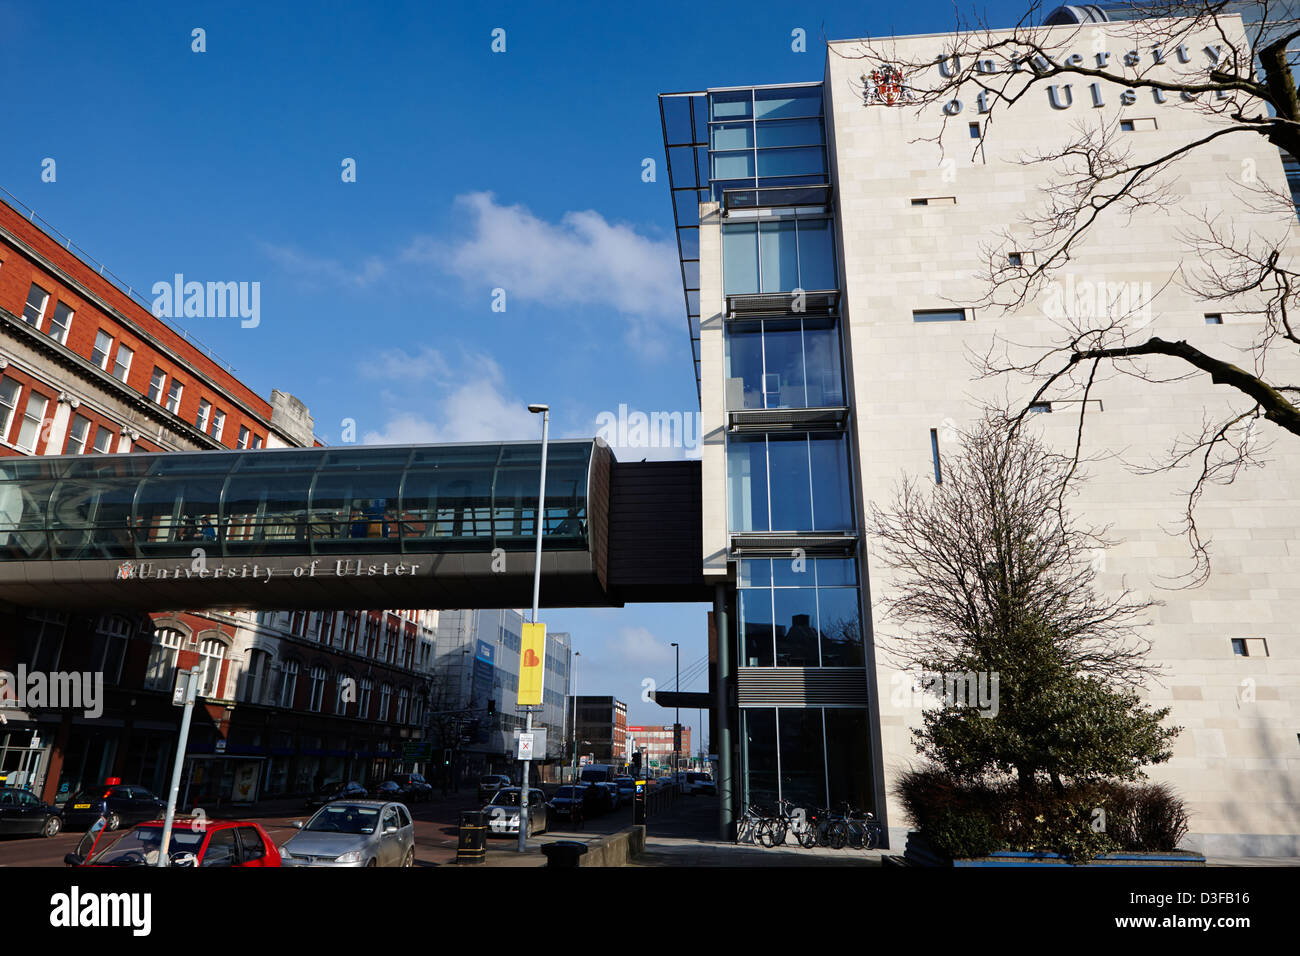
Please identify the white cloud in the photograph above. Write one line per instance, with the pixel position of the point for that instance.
(638, 647)
(398, 366)
(476, 409)
(319, 270)
(582, 260)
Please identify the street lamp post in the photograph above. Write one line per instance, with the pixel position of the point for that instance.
(573, 687)
(677, 719)
(545, 411)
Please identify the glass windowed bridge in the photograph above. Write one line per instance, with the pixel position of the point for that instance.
(367, 526)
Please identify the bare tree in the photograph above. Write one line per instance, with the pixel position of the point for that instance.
(993, 576)
(1191, 55)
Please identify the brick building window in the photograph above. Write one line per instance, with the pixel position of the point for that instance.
(103, 345)
(29, 432)
(77, 433)
(156, 384)
(34, 310)
(60, 323)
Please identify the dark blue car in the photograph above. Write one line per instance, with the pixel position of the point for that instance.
(21, 812)
(118, 804)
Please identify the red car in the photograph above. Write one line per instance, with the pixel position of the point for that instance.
(194, 842)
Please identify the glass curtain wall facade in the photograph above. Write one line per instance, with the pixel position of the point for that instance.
(795, 609)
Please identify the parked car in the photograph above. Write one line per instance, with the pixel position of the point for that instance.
(626, 788)
(417, 788)
(195, 841)
(490, 784)
(21, 812)
(353, 833)
(701, 783)
(389, 790)
(119, 805)
(338, 790)
(609, 793)
(562, 803)
(503, 812)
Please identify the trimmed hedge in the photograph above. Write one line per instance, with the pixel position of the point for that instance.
(971, 818)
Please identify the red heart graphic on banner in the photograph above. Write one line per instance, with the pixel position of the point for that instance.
(530, 658)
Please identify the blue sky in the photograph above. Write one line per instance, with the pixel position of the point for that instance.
(475, 170)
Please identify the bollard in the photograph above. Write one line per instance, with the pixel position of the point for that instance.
(563, 853)
(471, 846)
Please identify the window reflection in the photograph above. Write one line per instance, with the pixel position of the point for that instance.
(808, 475)
(802, 616)
(783, 363)
(315, 501)
(778, 256)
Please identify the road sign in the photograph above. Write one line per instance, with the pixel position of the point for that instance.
(186, 689)
(525, 746)
(539, 743)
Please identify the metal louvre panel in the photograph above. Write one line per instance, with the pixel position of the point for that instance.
(801, 686)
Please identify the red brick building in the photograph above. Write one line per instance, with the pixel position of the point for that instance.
(656, 742)
(87, 368)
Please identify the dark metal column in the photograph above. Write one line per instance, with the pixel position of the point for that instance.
(722, 733)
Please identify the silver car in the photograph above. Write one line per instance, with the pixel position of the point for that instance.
(502, 812)
(353, 833)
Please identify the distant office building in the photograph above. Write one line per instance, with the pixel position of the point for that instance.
(477, 683)
(656, 744)
(602, 729)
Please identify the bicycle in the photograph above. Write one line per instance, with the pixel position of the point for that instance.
(788, 818)
(750, 825)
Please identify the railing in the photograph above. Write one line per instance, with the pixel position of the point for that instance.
(120, 284)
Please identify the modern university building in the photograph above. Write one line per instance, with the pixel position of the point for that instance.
(815, 404)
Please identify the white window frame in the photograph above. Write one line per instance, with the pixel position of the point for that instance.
(40, 314)
(107, 441)
(319, 677)
(212, 653)
(107, 350)
(36, 423)
(157, 385)
(117, 363)
(218, 423)
(60, 332)
(175, 393)
(204, 417)
(243, 437)
(160, 674)
(8, 404)
(79, 441)
(288, 683)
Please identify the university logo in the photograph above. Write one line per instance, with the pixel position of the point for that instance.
(885, 85)
(125, 570)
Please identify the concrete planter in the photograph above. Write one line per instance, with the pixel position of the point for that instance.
(919, 852)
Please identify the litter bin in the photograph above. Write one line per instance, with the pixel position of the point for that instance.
(563, 852)
(471, 846)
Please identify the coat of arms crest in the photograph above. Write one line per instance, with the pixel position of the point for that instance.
(885, 85)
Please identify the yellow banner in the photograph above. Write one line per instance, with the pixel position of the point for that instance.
(532, 658)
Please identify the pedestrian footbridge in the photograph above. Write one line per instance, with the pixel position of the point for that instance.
(421, 526)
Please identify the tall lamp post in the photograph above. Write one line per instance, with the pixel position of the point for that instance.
(573, 686)
(677, 720)
(545, 412)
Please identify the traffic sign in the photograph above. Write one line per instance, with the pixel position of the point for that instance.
(525, 746)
